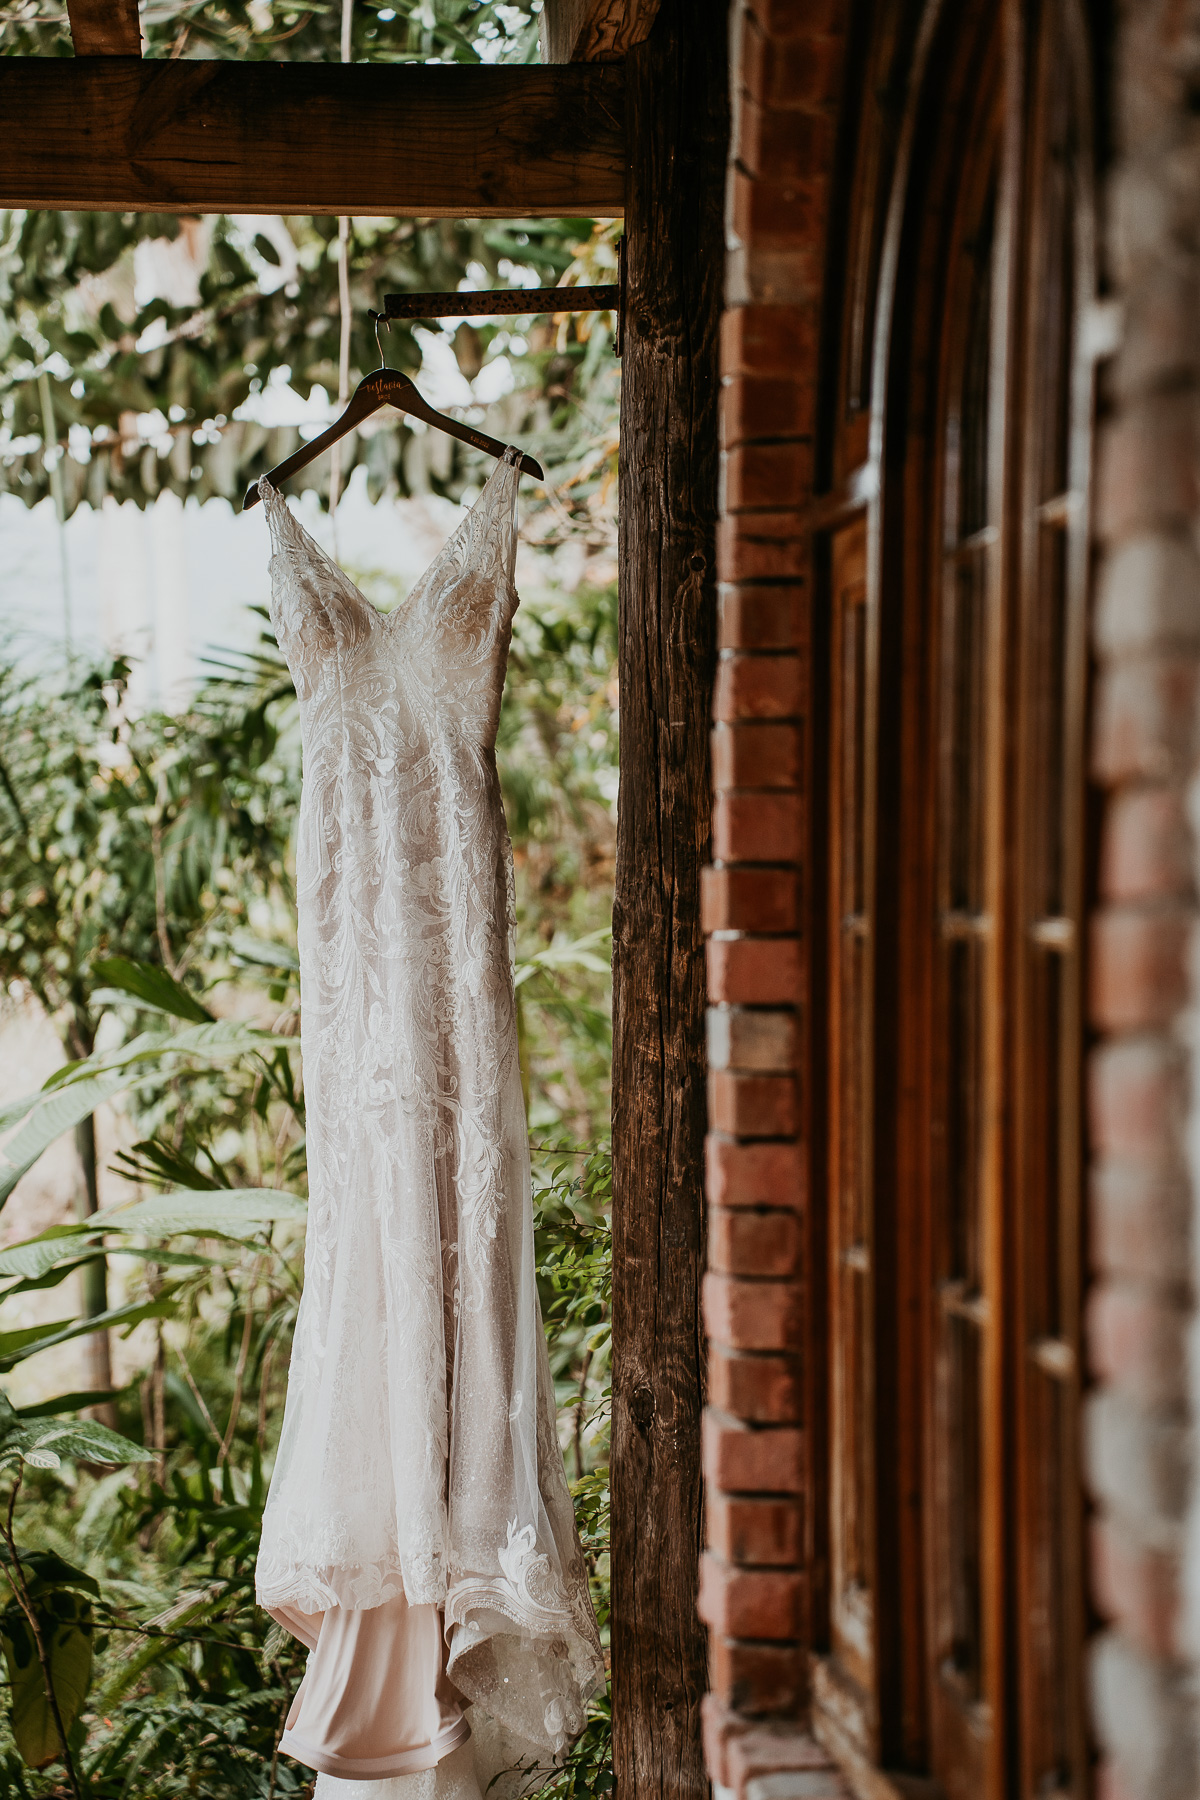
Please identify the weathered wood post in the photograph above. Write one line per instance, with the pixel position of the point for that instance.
(677, 111)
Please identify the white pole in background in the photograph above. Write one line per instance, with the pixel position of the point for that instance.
(52, 458)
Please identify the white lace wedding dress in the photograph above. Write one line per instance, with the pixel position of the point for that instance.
(419, 1463)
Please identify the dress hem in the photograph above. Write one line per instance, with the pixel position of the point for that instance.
(377, 1768)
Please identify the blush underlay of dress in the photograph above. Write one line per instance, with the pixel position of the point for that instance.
(418, 1536)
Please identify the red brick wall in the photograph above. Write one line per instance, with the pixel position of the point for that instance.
(1143, 1092)
(1144, 752)
(754, 1595)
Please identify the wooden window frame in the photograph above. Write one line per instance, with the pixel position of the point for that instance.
(891, 1705)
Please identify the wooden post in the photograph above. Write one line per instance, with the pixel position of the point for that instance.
(677, 130)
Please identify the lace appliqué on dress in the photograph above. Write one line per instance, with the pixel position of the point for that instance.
(419, 1452)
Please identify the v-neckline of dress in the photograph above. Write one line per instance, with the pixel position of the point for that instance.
(384, 619)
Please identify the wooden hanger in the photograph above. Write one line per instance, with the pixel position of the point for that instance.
(384, 387)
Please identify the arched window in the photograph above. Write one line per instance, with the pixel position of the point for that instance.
(949, 1022)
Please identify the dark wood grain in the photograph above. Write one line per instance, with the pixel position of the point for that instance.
(594, 30)
(677, 132)
(499, 302)
(105, 27)
(118, 134)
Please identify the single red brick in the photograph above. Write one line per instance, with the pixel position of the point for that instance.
(1138, 966)
(803, 72)
(789, 143)
(762, 618)
(718, 1725)
(790, 19)
(1146, 845)
(755, 971)
(760, 900)
(744, 1459)
(763, 1106)
(1139, 1587)
(780, 212)
(753, 1174)
(758, 1678)
(757, 1388)
(779, 1750)
(1144, 725)
(1148, 466)
(753, 755)
(753, 1315)
(770, 340)
(1139, 1222)
(1137, 1340)
(750, 825)
(751, 1603)
(752, 1038)
(762, 546)
(742, 1241)
(1137, 1100)
(765, 406)
(1108, 1783)
(758, 1533)
(768, 475)
(758, 687)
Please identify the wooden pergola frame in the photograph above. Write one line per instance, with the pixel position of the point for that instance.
(627, 115)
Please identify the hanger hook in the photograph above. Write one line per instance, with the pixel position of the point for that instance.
(379, 319)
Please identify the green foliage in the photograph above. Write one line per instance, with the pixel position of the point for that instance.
(64, 1619)
(188, 1686)
(146, 903)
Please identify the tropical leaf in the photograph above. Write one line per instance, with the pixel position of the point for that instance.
(78, 1089)
(85, 1440)
(228, 1212)
(45, 1569)
(213, 1041)
(263, 951)
(64, 1403)
(15, 1346)
(150, 984)
(32, 1258)
(49, 1118)
(65, 1622)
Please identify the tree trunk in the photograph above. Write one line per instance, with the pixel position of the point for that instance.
(676, 133)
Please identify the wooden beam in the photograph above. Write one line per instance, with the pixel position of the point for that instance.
(105, 27)
(594, 30)
(677, 127)
(116, 135)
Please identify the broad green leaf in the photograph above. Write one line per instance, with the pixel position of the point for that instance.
(262, 951)
(64, 1403)
(225, 1212)
(564, 953)
(33, 1257)
(151, 984)
(75, 1091)
(214, 1041)
(85, 1440)
(44, 1569)
(65, 1621)
(47, 1120)
(15, 1346)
